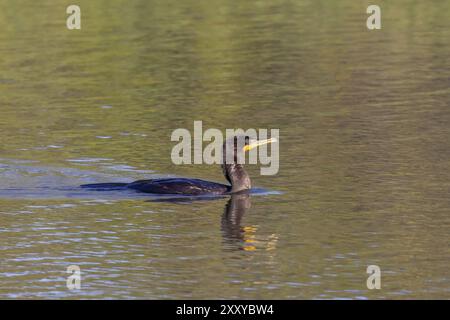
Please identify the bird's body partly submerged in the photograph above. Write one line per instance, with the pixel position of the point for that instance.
(234, 172)
(179, 186)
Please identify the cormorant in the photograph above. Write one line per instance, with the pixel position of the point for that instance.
(234, 172)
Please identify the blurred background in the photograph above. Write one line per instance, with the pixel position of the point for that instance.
(364, 125)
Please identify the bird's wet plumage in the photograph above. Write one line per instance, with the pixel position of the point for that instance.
(179, 186)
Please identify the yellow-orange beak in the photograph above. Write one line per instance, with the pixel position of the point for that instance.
(258, 143)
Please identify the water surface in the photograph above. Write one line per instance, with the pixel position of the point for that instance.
(364, 148)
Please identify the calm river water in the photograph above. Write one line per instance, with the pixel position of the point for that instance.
(364, 119)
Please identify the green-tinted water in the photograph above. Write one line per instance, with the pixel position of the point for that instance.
(364, 148)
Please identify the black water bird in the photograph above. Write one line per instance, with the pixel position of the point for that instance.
(233, 171)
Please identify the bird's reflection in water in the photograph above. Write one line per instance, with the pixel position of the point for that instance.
(234, 234)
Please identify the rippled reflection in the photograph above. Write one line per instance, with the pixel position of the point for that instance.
(234, 234)
(238, 235)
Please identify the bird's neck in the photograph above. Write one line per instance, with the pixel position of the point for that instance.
(237, 177)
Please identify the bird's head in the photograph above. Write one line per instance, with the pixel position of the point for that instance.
(234, 150)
